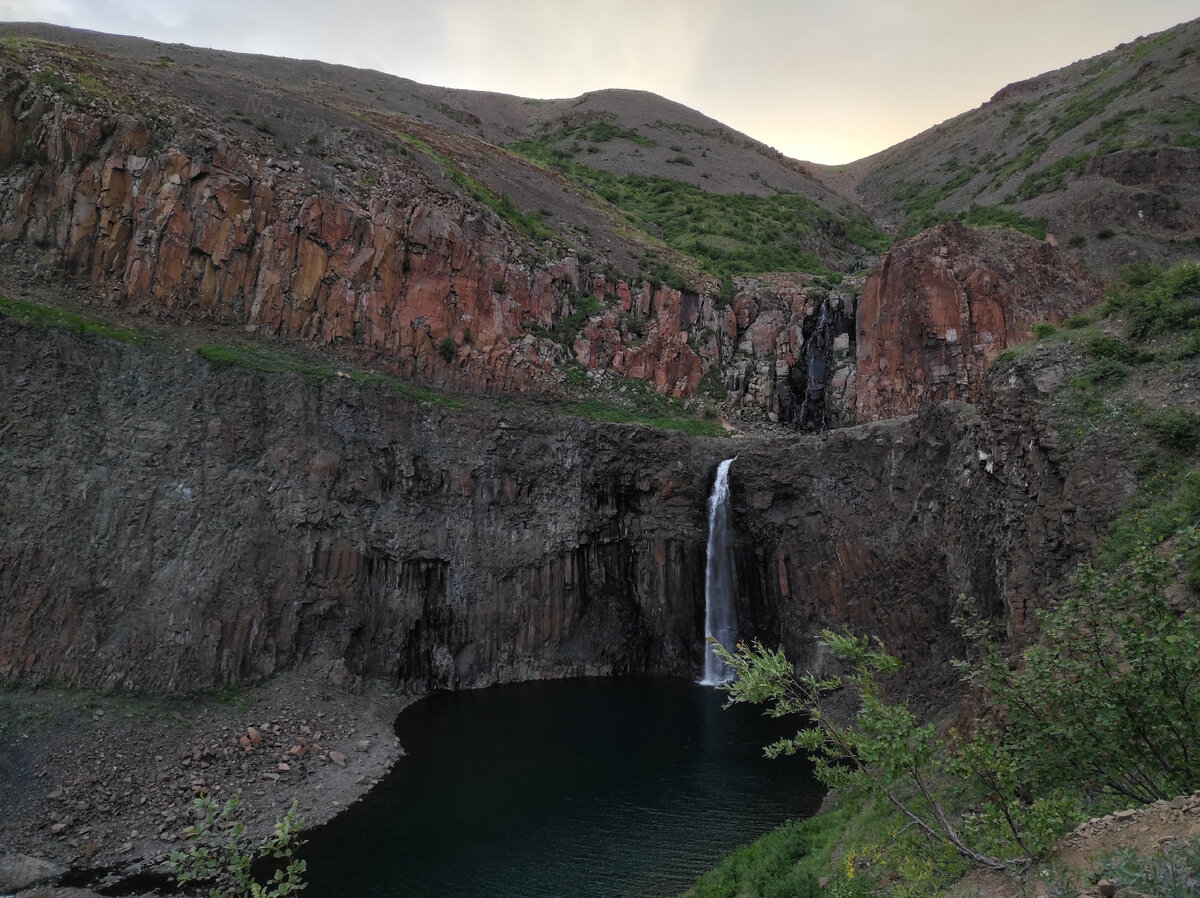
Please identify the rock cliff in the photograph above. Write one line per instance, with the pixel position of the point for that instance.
(174, 526)
(185, 221)
(939, 307)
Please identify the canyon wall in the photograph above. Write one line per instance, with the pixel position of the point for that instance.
(171, 525)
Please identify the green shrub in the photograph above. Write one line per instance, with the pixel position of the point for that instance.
(1103, 372)
(1172, 871)
(1157, 301)
(1079, 321)
(1107, 701)
(1050, 178)
(447, 348)
(1103, 708)
(1189, 347)
(1106, 346)
(1167, 503)
(1175, 428)
(216, 855)
(1043, 330)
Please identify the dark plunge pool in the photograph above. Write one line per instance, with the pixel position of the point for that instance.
(627, 786)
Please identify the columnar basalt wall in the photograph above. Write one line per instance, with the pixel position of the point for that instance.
(410, 274)
(170, 526)
(173, 526)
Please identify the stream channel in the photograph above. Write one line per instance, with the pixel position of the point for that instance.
(589, 788)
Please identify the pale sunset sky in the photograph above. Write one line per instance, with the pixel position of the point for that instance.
(821, 80)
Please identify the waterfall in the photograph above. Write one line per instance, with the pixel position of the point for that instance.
(720, 617)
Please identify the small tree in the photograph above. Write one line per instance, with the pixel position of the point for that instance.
(222, 860)
(1107, 700)
(883, 750)
(1106, 704)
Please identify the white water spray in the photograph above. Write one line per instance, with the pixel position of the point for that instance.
(720, 616)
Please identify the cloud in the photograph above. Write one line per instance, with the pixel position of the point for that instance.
(803, 75)
(545, 48)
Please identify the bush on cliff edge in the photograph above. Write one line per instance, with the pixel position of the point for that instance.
(1103, 709)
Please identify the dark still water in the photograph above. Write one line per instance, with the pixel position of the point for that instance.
(586, 788)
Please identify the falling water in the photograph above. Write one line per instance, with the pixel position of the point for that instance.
(720, 617)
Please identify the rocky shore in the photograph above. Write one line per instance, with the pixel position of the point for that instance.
(97, 787)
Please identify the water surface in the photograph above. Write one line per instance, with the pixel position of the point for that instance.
(586, 788)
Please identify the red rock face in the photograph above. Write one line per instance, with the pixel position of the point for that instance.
(938, 308)
(216, 234)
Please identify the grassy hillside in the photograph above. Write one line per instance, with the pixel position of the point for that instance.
(1102, 154)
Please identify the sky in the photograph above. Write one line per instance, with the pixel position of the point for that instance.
(821, 80)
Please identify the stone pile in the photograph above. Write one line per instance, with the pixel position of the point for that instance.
(118, 787)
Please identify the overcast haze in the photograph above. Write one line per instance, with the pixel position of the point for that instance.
(822, 80)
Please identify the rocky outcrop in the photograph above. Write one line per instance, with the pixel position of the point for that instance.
(939, 307)
(411, 274)
(173, 526)
(1148, 168)
(213, 232)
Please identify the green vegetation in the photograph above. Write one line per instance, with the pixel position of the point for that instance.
(1111, 131)
(785, 863)
(529, 224)
(1157, 301)
(997, 216)
(1184, 112)
(920, 201)
(597, 130)
(634, 401)
(51, 316)
(266, 361)
(1172, 871)
(585, 306)
(217, 857)
(1102, 709)
(726, 234)
(920, 211)
(1050, 179)
(631, 401)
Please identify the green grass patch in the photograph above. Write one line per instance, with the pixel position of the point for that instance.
(1050, 179)
(635, 401)
(725, 234)
(787, 862)
(982, 217)
(528, 223)
(266, 361)
(51, 316)
(1155, 300)
(1110, 133)
(1167, 501)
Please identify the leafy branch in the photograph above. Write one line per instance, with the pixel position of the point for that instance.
(224, 862)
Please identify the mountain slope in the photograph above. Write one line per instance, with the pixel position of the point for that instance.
(604, 243)
(1105, 153)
